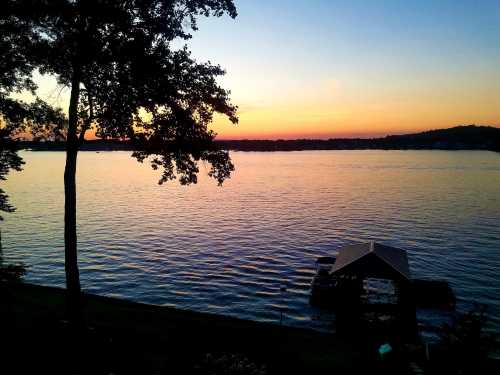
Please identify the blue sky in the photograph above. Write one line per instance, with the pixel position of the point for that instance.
(281, 54)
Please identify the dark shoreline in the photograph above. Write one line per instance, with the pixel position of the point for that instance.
(129, 337)
(470, 137)
(125, 337)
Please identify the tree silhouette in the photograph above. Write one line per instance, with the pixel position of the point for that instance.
(128, 81)
(9, 159)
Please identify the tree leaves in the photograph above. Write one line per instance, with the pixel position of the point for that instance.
(9, 160)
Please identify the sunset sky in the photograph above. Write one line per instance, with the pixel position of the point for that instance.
(325, 68)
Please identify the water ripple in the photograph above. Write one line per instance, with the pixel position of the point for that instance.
(229, 250)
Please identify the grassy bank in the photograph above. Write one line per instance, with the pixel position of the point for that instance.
(133, 338)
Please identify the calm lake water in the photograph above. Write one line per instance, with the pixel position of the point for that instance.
(229, 249)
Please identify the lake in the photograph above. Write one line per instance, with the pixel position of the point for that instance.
(229, 249)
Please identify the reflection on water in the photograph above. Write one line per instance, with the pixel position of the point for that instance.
(228, 250)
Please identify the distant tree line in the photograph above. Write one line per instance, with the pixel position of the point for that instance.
(470, 137)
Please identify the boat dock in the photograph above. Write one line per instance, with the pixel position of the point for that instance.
(374, 275)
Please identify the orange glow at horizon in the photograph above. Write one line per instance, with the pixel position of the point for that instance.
(344, 108)
(360, 113)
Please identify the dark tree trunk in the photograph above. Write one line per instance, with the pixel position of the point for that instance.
(70, 247)
(70, 240)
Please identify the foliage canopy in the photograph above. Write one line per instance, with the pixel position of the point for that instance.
(132, 82)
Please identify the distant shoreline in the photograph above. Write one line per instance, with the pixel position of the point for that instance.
(470, 137)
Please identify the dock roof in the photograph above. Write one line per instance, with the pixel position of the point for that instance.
(372, 260)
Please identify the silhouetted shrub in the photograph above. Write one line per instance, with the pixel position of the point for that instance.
(464, 345)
